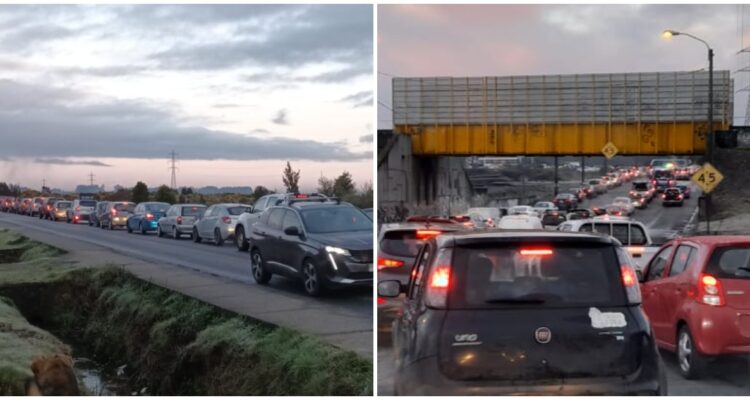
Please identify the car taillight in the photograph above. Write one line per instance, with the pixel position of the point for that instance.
(710, 292)
(179, 220)
(664, 196)
(428, 233)
(149, 216)
(114, 212)
(78, 208)
(536, 252)
(679, 197)
(384, 263)
(226, 220)
(438, 283)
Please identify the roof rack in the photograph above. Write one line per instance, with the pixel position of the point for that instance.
(292, 198)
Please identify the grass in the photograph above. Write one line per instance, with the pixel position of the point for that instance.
(172, 344)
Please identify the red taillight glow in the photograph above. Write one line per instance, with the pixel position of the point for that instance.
(629, 277)
(440, 279)
(179, 220)
(427, 233)
(78, 208)
(381, 300)
(710, 291)
(149, 216)
(384, 263)
(114, 212)
(536, 252)
(226, 220)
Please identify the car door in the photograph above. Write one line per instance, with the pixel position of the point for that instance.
(212, 221)
(652, 299)
(291, 248)
(201, 225)
(674, 287)
(406, 326)
(271, 233)
(135, 219)
(166, 222)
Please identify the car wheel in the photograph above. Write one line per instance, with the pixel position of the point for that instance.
(175, 235)
(158, 231)
(127, 226)
(259, 272)
(691, 362)
(195, 236)
(142, 228)
(218, 240)
(111, 227)
(311, 278)
(239, 239)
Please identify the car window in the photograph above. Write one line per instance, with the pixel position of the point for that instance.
(566, 227)
(87, 203)
(658, 263)
(637, 235)
(275, 218)
(418, 271)
(602, 228)
(585, 228)
(238, 210)
(400, 243)
(682, 258)
(620, 232)
(192, 211)
(290, 219)
(730, 263)
(335, 219)
(157, 207)
(125, 207)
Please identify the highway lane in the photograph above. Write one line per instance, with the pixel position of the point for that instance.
(224, 261)
(725, 377)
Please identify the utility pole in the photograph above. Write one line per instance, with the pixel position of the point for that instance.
(173, 167)
(710, 147)
(91, 179)
(583, 169)
(556, 176)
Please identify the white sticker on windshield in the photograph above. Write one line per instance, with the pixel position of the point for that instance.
(601, 320)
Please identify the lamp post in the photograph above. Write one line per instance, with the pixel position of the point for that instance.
(710, 140)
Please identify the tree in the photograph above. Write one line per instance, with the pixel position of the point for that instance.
(166, 195)
(140, 192)
(4, 189)
(325, 186)
(291, 179)
(343, 185)
(260, 191)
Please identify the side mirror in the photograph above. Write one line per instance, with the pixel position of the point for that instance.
(641, 277)
(389, 288)
(292, 231)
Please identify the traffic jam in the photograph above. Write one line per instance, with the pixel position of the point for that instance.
(571, 296)
(320, 241)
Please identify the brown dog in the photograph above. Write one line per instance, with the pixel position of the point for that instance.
(53, 376)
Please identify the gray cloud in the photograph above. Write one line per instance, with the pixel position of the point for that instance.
(359, 99)
(366, 138)
(83, 126)
(259, 131)
(62, 161)
(280, 118)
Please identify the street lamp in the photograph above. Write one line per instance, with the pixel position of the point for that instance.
(667, 34)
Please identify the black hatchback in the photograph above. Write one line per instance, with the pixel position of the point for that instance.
(523, 312)
(324, 244)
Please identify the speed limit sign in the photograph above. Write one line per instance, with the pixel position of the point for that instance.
(707, 178)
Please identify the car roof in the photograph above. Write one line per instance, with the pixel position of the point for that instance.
(463, 237)
(413, 226)
(716, 240)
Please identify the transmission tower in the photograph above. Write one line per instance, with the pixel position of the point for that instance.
(173, 168)
(91, 179)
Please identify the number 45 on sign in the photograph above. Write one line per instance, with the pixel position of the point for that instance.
(707, 178)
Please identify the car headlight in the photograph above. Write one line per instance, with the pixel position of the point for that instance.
(337, 250)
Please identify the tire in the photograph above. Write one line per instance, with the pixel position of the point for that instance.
(690, 362)
(260, 274)
(142, 228)
(110, 226)
(218, 240)
(127, 226)
(158, 231)
(239, 239)
(311, 278)
(195, 236)
(175, 235)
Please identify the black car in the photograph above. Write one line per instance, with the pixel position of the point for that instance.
(672, 196)
(523, 312)
(324, 244)
(565, 201)
(663, 179)
(553, 218)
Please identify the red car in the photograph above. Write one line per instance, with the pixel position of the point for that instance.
(696, 294)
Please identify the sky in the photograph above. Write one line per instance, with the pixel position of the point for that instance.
(234, 90)
(502, 40)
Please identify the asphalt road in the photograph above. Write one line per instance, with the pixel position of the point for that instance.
(354, 305)
(725, 376)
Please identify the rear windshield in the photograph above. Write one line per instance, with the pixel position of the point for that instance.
(335, 219)
(640, 185)
(87, 203)
(400, 243)
(730, 263)
(124, 207)
(157, 207)
(192, 211)
(663, 174)
(237, 210)
(64, 205)
(492, 276)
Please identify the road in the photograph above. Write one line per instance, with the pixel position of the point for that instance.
(343, 312)
(727, 377)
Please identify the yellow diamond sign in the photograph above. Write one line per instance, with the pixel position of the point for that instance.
(707, 178)
(609, 150)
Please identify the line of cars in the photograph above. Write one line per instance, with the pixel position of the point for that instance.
(323, 242)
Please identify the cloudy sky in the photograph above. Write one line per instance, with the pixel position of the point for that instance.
(235, 90)
(490, 40)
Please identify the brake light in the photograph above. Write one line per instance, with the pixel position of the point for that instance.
(149, 216)
(710, 292)
(226, 220)
(664, 196)
(78, 208)
(114, 212)
(536, 252)
(628, 276)
(388, 263)
(301, 196)
(427, 233)
(679, 197)
(179, 220)
(436, 293)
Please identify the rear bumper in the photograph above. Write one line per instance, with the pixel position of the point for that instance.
(721, 330)
(424, 379)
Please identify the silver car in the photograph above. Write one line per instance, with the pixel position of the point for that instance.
(218, 222)
(179, 220)
(117, 214)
